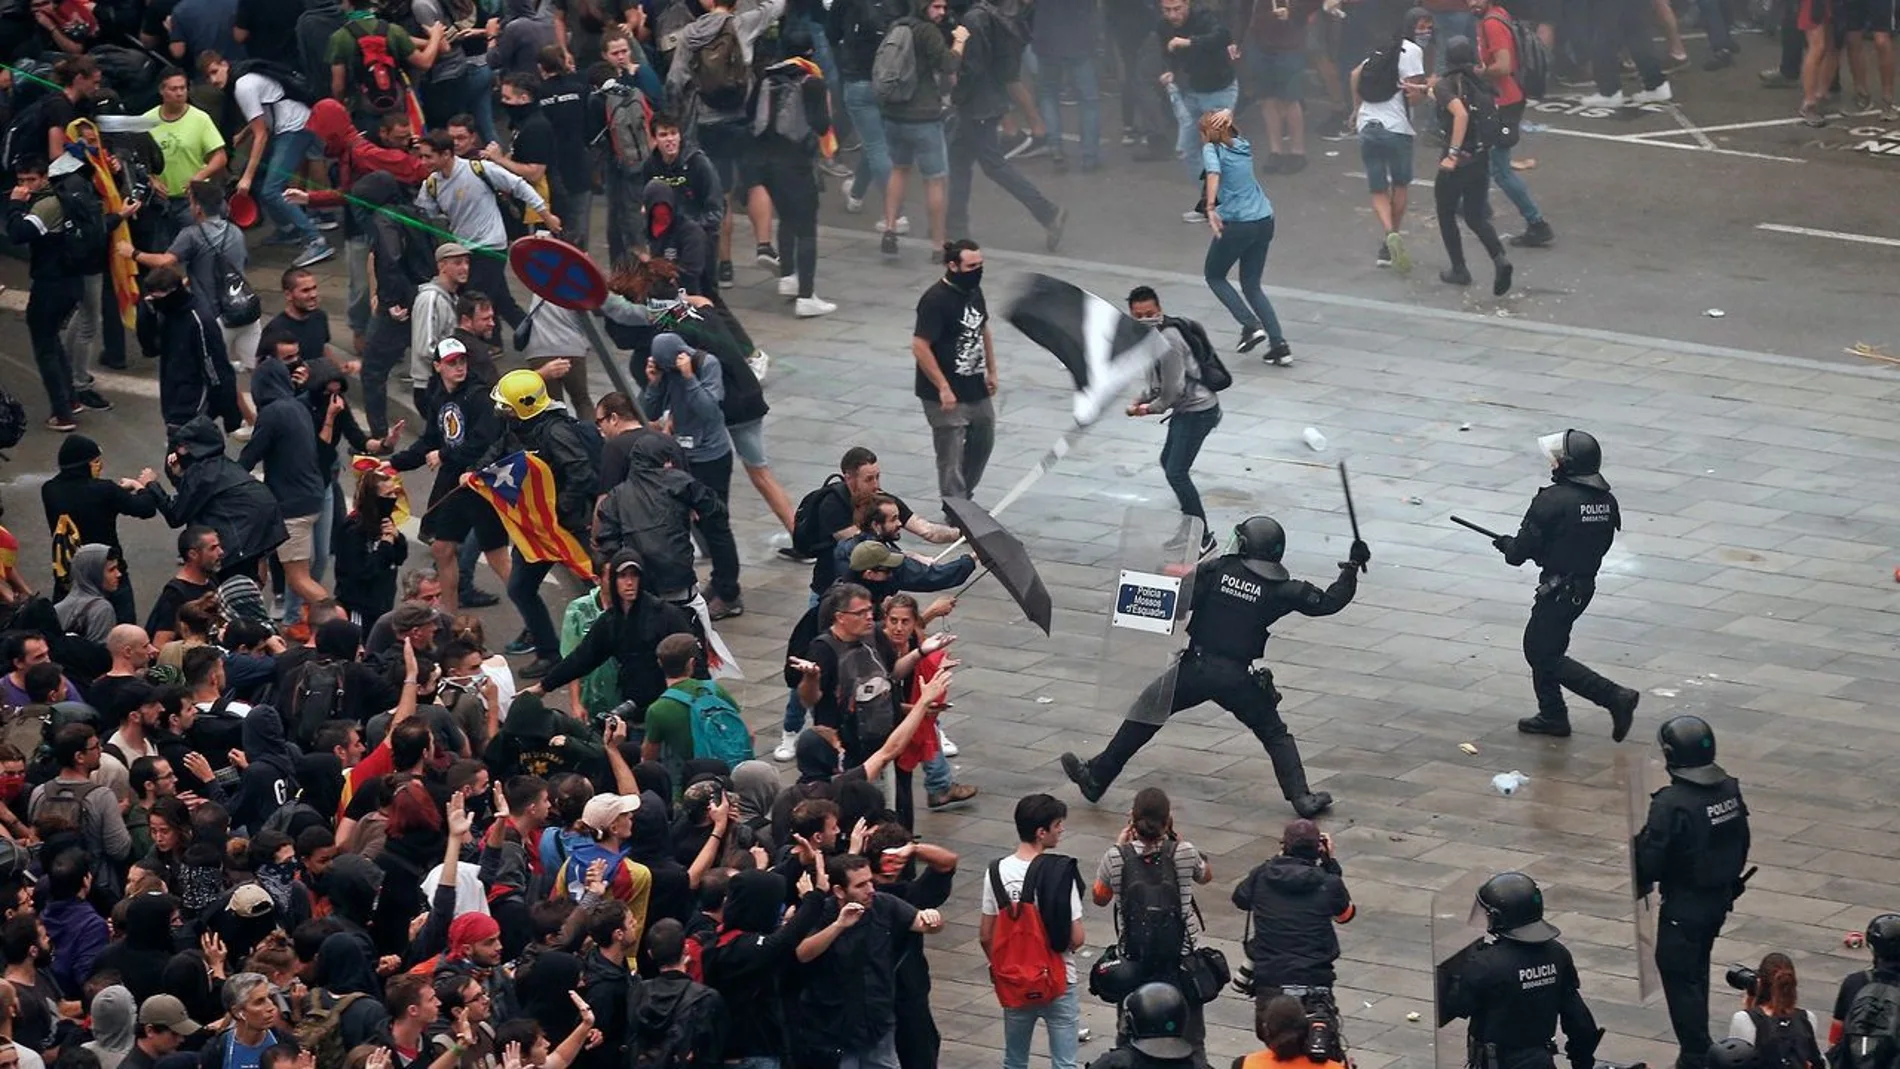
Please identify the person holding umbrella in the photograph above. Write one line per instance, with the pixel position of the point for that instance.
(1236, 598)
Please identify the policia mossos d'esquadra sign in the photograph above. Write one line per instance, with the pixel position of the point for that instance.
(1146, 601)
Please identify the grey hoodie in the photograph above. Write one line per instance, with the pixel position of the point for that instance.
(751, 18)
(1173, 382)
(85, 611)
(113, 1014)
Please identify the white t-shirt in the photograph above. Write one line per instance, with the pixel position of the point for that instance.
(131, 752)
(1012, 869)
(1742, 1027)
(1395, 115)
(257, 93)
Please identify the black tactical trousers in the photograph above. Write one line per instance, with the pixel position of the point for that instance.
(1198, 678)
(1683, 948)
(1547, 638)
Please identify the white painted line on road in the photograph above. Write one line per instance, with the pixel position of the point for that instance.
(119, 382)
(1640, 139)
(1760, 124)
(1837, 235)
(1703, 139)
(1415, 181)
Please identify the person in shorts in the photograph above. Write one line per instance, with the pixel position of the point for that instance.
(1276, 66)
(913, 129)
(1816, 21)
(1860, 21)
(1385, 138)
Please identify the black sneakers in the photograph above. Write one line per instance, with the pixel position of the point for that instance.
(1311, 805)
(1623, 713)
(1079, 774)
(1543, 725)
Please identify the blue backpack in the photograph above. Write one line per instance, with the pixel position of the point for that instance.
(719, 732)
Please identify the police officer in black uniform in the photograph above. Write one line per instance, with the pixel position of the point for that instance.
(1237, 597)
(1516, 984)
(1567, 530)
(1733, 1054)
(1695, 846)
(1151, 1031)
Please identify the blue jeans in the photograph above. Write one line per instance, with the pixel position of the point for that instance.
(860, 100)
(938, 777)
(283, 159)
(524, 592)
(1061, 1017)
(1080, 73)
(1245, 243)
(319, 549)
(1186, 432)
(1507, 179)
(467, 556)
(1189, 106)
(881, 1054)
(479, 96)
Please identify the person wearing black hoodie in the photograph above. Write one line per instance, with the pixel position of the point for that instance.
(270, 777)
(285, 443)
(215, 492)
(751, 959)
(1295, 900)
(675, 236)
(628, 632)
(369, 548)
(652, 511)
(690, 173)
(992, 60)
(139, 956)
(84, 509)
(344, 970)
(194, 371)
(674, 1004)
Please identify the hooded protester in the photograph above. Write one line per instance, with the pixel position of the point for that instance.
(114, 1026)
(214, 491)
(139, 957)
(545, 988)
(344, 974)
(629, 631)
(676, 237)
(270, 777)
(652, 511)
(749, 961)
(352, 885)
(691, 385)
(195, 377)
(82, 507)
(684, 166)
(756, 785)
(285, 442)
(526, 747)
(526, 28)
(653, 821)
(187, 977)
(87, 611)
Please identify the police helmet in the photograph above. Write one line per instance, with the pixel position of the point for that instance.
(1579, 458)
(1261, 542)
(1514, 909)
(1154, 1018)
(1114, 977)
(1883, 937)
(1688, 746)
(1732, 1054)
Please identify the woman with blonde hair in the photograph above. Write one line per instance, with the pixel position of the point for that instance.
(1782, 1032)
(1241, 217)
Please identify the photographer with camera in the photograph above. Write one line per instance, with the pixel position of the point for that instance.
(1695, 846)
(1868, 1005)
(1292, 1037)
(1516, 984)
(1783, 1035)
(1294, 902)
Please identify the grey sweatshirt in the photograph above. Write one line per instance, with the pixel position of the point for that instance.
(1174, 383)
(750, 19)
(468, 199)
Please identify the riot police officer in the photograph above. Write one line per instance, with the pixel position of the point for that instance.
(1733, 1053)
(1516, 985)
(1694, 846)
(1151, 1031)
(1567, 530)
(1237, 597)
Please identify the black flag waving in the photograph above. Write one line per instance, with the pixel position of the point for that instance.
(1105, 351)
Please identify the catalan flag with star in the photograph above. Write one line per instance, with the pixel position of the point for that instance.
(520, 487)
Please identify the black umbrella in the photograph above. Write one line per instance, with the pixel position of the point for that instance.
(1002, 555)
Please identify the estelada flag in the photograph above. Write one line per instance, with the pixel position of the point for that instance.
(125, 272)
(520, 487)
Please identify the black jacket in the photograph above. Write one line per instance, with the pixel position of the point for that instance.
(674, 1003)
(1567, 530)
(855, 29)
(609, 992)
(213, 490)
(651, 511)
(463, 425)
(1203, 66)
(396, 280)
(629, 633)
(285, 442)
(749, 961)
(194, 371)
(91, 507)
(344, 430)
(366, 565)
(695, 183)
(1292, 905)
(685, 241)
(992, 58)
(557, 438)
(271, 777)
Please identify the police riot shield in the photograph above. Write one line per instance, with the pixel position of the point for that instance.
(1146, 627)
(1639, 778)
(1457, 925)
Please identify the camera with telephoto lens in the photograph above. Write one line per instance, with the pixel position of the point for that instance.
(1742, 978)
(1243, 980)
(622, 712)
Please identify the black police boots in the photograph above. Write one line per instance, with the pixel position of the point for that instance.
(1544, 725)
(1623, 712)
(1079, 774)
(1311, 805)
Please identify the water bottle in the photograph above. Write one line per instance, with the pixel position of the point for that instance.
(1314, 439)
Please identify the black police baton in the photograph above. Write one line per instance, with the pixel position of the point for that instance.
(1468, 525)
(1352, 514)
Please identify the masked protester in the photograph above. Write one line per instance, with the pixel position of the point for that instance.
(83, 507)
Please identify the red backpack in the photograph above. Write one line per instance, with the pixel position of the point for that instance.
(379, 81)
(1024, 968)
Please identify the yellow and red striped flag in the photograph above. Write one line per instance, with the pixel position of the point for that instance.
(520, 487)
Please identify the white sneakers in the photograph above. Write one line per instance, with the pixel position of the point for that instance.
(1598, 100)
(787, 747)
(902, 227)
(1662, 94)
(852, 204)
(788, 285)
(1192, 216)
(808, 307)
(943, 743)
(760, 362)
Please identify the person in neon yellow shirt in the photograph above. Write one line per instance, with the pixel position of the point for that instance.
(194, 149)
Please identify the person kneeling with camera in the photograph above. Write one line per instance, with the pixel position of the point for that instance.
(1293, 1037)
(1783, 1034)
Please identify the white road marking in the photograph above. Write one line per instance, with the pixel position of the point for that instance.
(1690, 128)
(1641, 139)
(1837, 235)
(1759, 124)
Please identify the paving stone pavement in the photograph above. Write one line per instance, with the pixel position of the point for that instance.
(1751, 585)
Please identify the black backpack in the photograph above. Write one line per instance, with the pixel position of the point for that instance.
(316, 695)
(86, 240)
(1870, 1032)
(1785, 1042)
(12, 419)
(806, 537)
(1530, 59)
(296, 84)
(1208, 367)
(1484, 128)
(1379, 74)
(1153, 925)
(671, 1048)
(26, 133)
(237, 302)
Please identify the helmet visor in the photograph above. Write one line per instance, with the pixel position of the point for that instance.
(1552, 445)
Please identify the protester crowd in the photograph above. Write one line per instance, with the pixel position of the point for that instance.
(294, 806)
